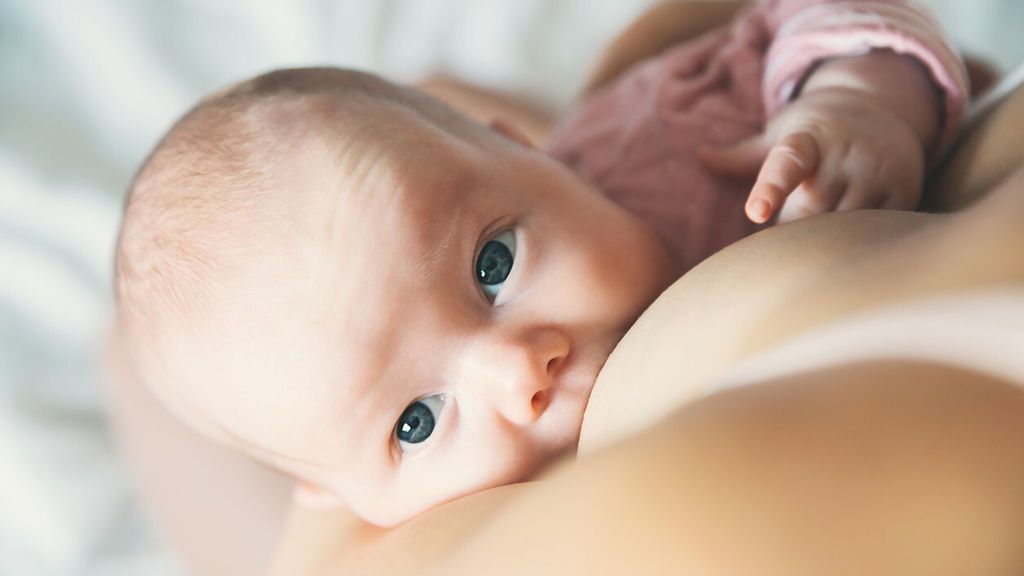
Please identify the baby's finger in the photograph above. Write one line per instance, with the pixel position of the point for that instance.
(741, 160)
(858, 197)
(817, 196)
(798, 205)
(794, 159)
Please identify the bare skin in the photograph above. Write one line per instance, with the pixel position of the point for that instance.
(933, 254)
(920, 408)
(334, 543)
(727, 486)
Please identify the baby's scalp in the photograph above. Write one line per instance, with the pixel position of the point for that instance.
(209, 202)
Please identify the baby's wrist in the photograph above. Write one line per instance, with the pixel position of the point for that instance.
(895, 82)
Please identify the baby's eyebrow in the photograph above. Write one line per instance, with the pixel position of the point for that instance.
(438, 250)
(448, 215)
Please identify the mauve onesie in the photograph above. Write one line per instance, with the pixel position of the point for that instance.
(636, 139)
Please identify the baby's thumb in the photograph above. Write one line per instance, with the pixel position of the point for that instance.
(740, 160)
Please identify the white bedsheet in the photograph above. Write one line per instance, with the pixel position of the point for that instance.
(86, 88)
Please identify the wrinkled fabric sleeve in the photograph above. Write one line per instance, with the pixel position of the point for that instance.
(806, 32)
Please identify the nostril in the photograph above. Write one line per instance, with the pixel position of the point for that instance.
(554, 364)
(539, 401)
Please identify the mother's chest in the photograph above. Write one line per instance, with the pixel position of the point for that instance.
(703, 323)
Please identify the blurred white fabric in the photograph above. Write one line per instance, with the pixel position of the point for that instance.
(88, 87)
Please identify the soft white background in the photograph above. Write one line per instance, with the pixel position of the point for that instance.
(87, 87)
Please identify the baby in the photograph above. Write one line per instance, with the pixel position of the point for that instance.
(353, 283)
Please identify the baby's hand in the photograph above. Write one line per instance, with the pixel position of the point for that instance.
(834, 149)
(854, 138)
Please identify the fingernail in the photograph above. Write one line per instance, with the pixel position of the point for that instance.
(760, 209)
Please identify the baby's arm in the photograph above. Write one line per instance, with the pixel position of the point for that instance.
(869, 115)
(855, 138)
(487, 105)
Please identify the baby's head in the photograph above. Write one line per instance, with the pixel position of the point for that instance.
(354, 284)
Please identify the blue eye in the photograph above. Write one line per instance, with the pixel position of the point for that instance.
(417, 422)
(494, 263)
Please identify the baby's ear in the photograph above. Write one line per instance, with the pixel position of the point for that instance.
(309, 495)
(508, 129)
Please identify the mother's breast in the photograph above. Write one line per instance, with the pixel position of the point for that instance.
(699, 326)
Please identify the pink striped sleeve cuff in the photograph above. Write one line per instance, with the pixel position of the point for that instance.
(851, 27)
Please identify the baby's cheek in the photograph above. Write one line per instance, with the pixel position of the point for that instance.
(591, 282)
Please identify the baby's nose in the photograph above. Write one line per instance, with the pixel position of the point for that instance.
(524, 395)
(522, 373)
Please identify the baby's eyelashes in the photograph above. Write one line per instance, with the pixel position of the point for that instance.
(417, 422)
(494, 263)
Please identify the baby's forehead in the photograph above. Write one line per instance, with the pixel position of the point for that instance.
(400, 173)
(361, 235)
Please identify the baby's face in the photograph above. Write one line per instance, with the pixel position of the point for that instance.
(430, 325)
